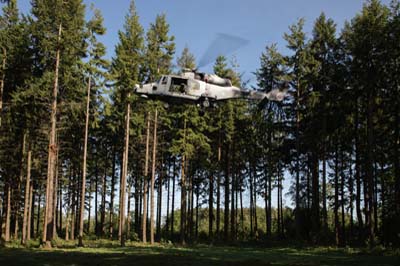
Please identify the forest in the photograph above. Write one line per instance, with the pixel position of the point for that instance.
(83, 159)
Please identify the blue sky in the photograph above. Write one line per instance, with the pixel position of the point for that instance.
(196, 22)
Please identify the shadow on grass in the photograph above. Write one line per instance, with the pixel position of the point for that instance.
(203, 255)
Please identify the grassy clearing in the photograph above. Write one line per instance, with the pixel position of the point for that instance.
(108, 253)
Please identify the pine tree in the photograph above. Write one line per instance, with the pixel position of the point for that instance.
(96, 51)
(186, 60)
(160, 49)
(126, 71)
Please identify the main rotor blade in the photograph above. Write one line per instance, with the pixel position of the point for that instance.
(223, 44)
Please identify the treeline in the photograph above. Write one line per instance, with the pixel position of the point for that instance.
(81, 155)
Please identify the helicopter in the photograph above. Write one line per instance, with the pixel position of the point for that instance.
(204, 89)
(201, 88)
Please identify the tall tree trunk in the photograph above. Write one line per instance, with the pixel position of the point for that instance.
(153, 176)
(278, 199)
(210, 207)
(121, 230)
(324, 205)
(30, 213)
(89, 206)
(369, 173)
(8, 214)
(358, 174)
(297, 193)
(48, 217)
(145, 181)
(85, 142)
(96, 202)
(241, 211)
(336, 201)
(351, 196)
(159, 201)
(60, 220)
(55, 191)
(137, 204)
(2, 80)
(167, 220)
(38, 210)
(396, 156)
(232, 225)
(103, 201)
(315, 192)
(227, 194)
(26, 204)
(183, 190)
(269, 216)
(128, 212)
(342, 197)
(173, 200)
(218, 218)
(255, 203)
(112, 193)
(17, 198)
(251, 207)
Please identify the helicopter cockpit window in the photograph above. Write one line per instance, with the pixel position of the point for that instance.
(178, 85)
(164, 80)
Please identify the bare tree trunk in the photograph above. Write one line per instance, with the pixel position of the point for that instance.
(358, 175)
(173, 200)
(121, 230)
(38, 210)
(218, 218)
(167, 220)
(89, 206)
(60, 210)
(251, 203)
(336, 200)
(48, 218)
(146, 172)
(8, 214)
(241, 211)
(17, 192)
(85, 143)
(255, 204)
(3, 76)
(26, 204)
(103, 203)
(226, 210)
(96, 202)
(369, 171)
(112, 194)
(342, 196)
(30, 215)
(55, 201)
(183, 191)
(210, 207)
(297, 195)
(153, 175)
(128, 211)
(315, 192)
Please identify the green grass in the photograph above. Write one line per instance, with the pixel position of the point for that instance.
(108, 253)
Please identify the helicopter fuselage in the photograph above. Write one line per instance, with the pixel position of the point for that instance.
(189, 88)
(200, 88)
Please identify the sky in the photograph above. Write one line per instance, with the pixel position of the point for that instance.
(196, 23)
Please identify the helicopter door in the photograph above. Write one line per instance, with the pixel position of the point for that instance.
(162, 86)
(178, 85)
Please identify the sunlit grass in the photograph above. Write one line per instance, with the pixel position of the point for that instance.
(105, 252)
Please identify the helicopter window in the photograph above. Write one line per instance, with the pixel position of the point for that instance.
(178, 85)
(164, 80)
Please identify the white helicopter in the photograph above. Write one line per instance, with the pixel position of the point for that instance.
(205, 89)
(201, 88)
